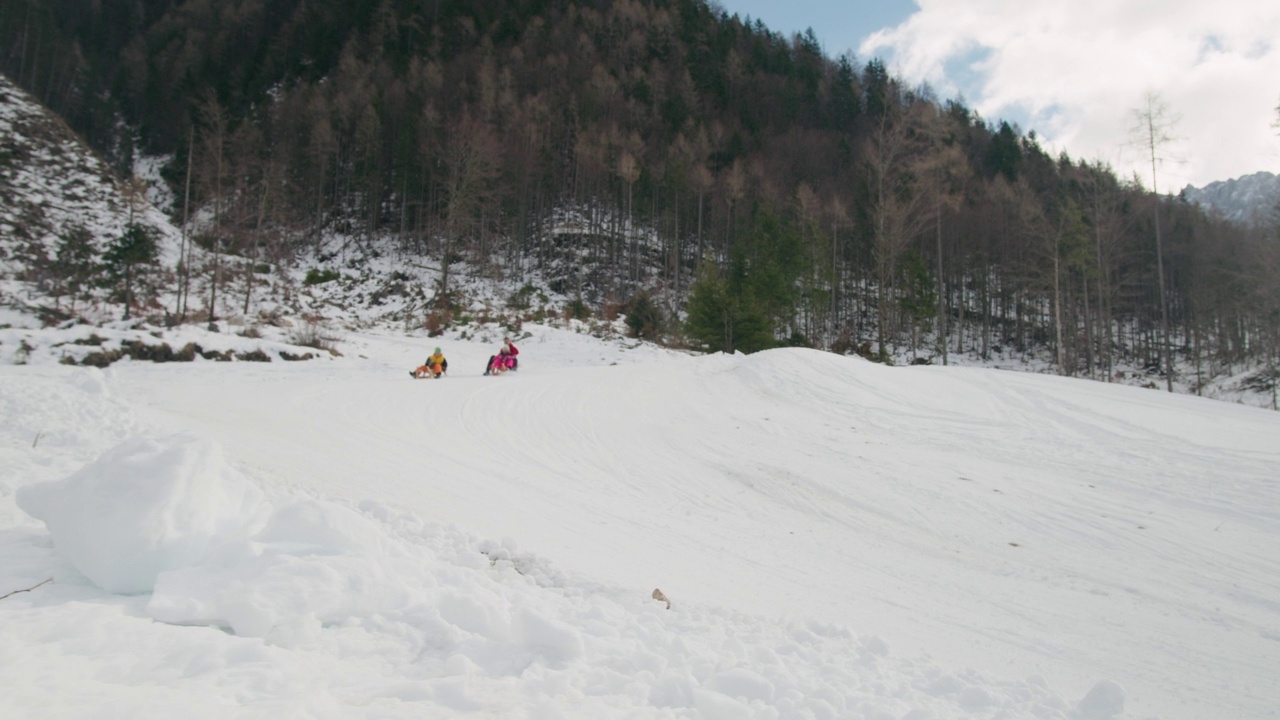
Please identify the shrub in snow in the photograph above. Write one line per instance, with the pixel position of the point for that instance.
(137, 350)
(143, 508)
(645, 319)
(316, 276)
(253, 356)
(312, 334)
(102, 358)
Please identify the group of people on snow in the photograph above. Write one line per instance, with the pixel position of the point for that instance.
(505, 359)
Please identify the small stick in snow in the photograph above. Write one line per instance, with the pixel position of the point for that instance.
(33, 587)
(660, 597)
(37, 440)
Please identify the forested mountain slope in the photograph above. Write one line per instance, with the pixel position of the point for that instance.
(652, 151)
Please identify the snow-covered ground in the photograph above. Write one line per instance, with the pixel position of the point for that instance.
(838, 539)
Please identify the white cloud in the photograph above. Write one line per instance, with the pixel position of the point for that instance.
(1073, 70)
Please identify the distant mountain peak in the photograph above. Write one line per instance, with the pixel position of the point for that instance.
(1249, 200)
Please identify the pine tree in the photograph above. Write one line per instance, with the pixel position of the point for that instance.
(137, 246)
(723, 314)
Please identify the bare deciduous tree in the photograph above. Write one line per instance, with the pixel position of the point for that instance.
(1152, 131)
(214, 122)
(471, 165)
(896, 203)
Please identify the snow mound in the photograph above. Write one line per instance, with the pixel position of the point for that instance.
(309, 562)
(142, 508)
(1103, 702)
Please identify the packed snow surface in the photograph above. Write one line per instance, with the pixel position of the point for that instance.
(837, 539)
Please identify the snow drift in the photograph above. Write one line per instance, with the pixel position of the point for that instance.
(143, 508)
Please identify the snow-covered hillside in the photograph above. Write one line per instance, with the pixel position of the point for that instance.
(52, 183)
(838, 539)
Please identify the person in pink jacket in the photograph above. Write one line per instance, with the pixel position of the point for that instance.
(505, 359)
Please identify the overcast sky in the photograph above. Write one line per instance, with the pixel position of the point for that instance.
(1074, 70)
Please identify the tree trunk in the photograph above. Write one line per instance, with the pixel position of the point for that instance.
(1088, 333)
(248, 283)
(1057, 316)
(184, 259)
(941, 321)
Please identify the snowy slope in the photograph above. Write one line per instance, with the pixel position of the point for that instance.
(51, 182)
(839, 539)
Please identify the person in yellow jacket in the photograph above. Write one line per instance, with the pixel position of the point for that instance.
(435, 366)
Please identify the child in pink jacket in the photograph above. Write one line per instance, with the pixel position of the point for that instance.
(505, 359)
